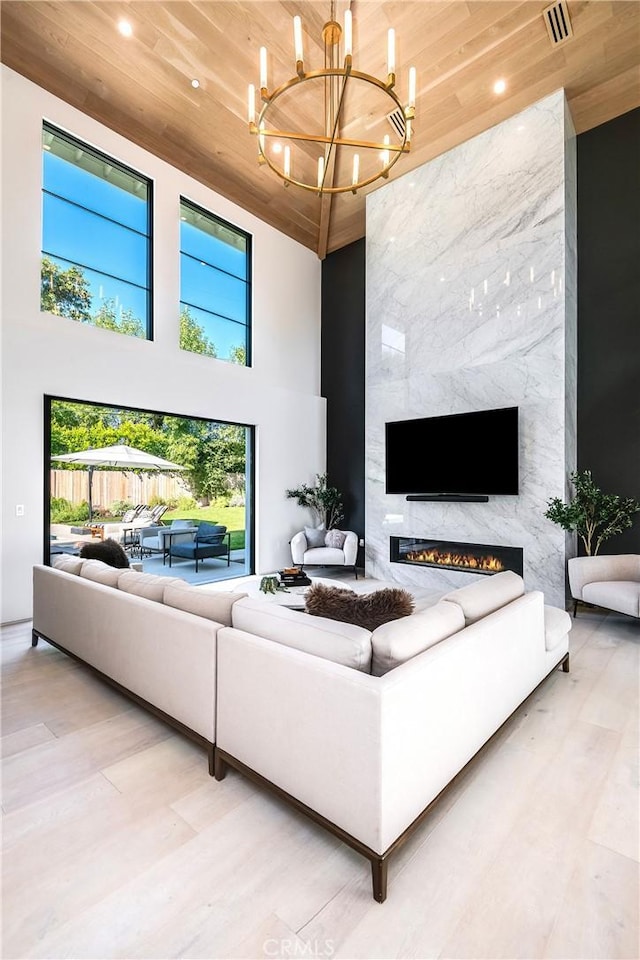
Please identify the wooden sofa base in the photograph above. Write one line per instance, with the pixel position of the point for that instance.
(379, 862)
(156, 711)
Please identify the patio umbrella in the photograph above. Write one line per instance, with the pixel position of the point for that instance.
(119, 457)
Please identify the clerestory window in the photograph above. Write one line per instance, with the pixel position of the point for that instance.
(96, 237)
(215, 286)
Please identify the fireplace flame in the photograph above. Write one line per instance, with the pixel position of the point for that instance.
(488, 562)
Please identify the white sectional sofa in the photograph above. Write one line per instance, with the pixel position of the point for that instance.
(154, 638)
(361, 730)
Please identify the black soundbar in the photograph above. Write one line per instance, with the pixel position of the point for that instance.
(450, 497)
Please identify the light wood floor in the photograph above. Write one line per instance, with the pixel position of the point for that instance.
(117, 843)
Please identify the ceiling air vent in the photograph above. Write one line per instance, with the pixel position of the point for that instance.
(396, 119)
(556, 19)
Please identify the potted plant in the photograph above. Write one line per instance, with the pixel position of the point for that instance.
(325, 502)
(593, 515)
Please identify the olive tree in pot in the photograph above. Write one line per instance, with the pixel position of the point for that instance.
(593, 515)
(325, 502)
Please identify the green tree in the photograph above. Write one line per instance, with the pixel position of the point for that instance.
(238, 355)
(64, 292)
(106, 318)
(593, 515)
(193, 337)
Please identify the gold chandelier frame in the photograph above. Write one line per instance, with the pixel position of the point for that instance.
(390, 152)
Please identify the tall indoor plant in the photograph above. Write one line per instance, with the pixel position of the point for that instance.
(325, 502)
(593, 515)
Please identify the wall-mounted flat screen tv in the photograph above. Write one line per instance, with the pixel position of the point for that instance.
(461, 454)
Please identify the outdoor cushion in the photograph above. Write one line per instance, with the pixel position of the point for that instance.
(210, 532)
(479, 599)
(148, 585)
(212, 604)
(400, 640)
(102, 573)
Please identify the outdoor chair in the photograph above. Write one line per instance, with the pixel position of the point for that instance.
(156, 539)
(210, 540)
(158, 512)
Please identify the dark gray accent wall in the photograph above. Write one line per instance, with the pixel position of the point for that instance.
(343, 372)
(608, 160)
(609, 312)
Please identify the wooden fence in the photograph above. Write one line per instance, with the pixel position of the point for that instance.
(111, 485)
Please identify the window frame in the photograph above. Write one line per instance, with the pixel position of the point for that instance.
(101, 156)
(248, 280)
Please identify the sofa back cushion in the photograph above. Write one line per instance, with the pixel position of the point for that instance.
(101, 572)
(67, 562)
(148, 585)
(478, 600)
(212, 604)
(400, 640)
(343, 643)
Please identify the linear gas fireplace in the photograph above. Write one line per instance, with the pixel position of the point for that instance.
(453, 555)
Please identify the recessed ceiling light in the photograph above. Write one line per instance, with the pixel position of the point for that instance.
(500, 86)
(195, 83)
(125, 28)
(277, 148)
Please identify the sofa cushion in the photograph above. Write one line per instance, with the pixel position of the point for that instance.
(557, 624)
(478, 600)
(369, 610)
(67, 562)
(343, 643)
(620, 595)
(400, 640)
(101, 572)
(148, 585)
(335, 539)
(212, 604)
(315, 536)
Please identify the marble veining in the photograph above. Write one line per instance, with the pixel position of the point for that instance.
(471, 304)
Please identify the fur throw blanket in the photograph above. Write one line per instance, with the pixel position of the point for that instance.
(369, 610)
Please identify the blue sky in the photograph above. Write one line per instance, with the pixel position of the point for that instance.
(103, 229)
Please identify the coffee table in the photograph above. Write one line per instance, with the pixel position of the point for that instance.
(292, 597)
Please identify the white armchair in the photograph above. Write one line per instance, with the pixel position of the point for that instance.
(304, 555)
(612, 582)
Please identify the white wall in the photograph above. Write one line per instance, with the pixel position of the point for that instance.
(42, 354)
(471, 264)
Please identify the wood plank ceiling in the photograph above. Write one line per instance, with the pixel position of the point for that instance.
(141, 86)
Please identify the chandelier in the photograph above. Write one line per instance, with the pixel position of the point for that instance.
(322, 130)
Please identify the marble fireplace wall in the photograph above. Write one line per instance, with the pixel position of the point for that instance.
(471, 305)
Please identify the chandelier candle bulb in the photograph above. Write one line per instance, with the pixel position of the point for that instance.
(297, 43)
(320, 172)
(251, 103)
(391, 52)
(287, 161)
(263, 68)
(412, 88)
(356, 171)
(384, 156)
(348, 34)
